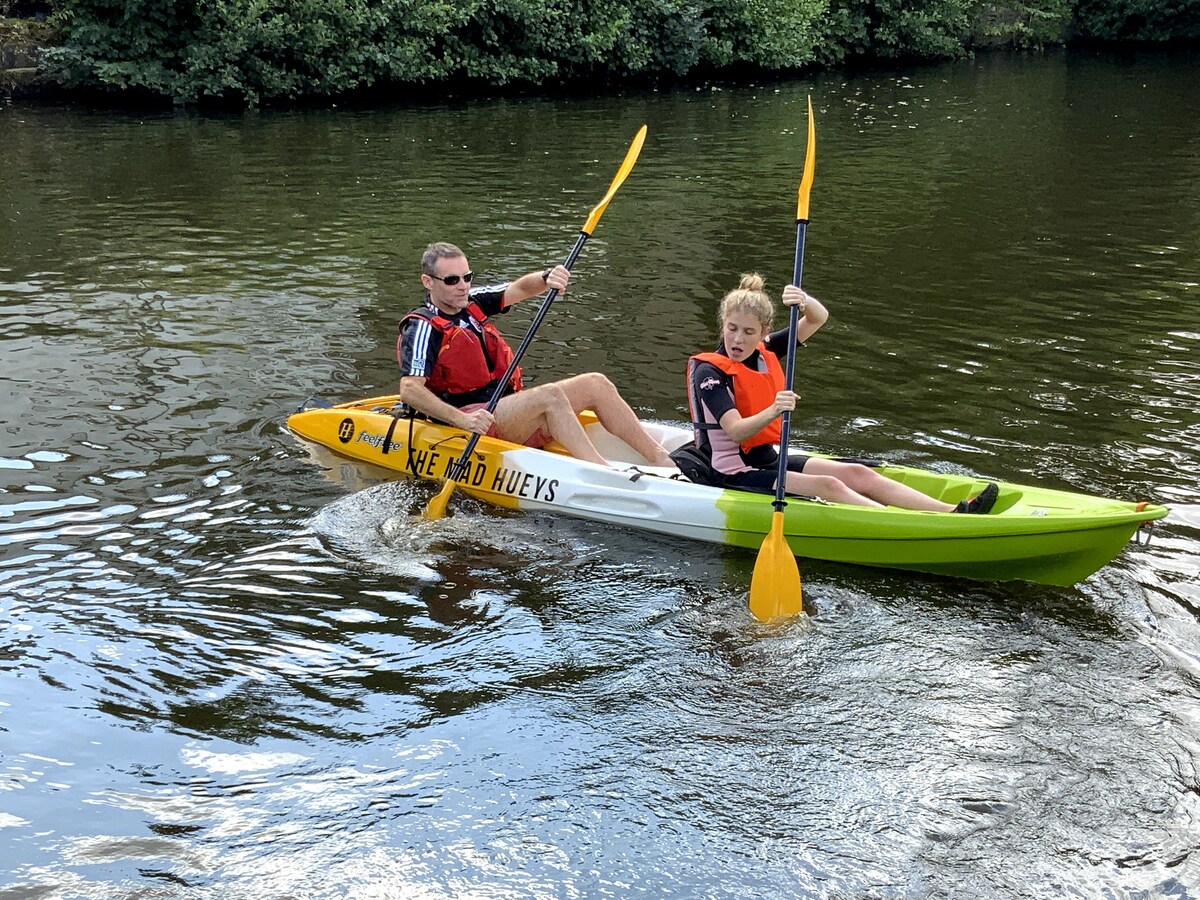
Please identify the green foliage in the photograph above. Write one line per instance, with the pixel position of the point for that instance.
(1026, 25)
(23, 8)
(262, 50)
(771, 34)
(890, 29)
(659, 36)
(253, 51)
(1138, 20)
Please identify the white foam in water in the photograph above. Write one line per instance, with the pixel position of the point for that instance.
(385, 527)
(370, 526)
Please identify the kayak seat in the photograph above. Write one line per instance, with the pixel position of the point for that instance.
(696, 465)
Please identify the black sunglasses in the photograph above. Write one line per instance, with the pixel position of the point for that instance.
(452, 280)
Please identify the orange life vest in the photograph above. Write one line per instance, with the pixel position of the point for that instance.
(468, 363)
(753, 391)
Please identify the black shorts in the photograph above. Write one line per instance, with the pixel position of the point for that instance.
(763, 480)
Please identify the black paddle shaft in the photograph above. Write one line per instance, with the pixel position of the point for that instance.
(793, 323)
(456, 470)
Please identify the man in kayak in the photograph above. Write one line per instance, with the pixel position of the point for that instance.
(737, 395)
(452, 358)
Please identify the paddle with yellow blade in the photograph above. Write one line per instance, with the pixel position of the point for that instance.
(775, 585)
(437, 506)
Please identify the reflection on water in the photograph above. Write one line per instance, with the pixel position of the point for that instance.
(231, 669)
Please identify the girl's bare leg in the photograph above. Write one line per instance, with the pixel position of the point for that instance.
(866, 481)
(827, 487)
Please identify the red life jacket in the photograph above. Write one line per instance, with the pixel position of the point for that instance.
(467, 363)
(753, 391)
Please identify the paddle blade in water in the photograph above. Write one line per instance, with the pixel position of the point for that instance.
(437, 506)
(775, 586)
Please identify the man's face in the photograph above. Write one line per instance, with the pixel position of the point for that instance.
(449, 298)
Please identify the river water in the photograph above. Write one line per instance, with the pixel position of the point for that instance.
(228, 672)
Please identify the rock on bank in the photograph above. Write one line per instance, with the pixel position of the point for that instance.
(21, 41)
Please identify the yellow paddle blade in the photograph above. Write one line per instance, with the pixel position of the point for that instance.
(437, 506)
(810, 165)
(622, 173)
(775, 586)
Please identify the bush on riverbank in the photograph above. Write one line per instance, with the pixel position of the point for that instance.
(254, 51)
(1138, 20)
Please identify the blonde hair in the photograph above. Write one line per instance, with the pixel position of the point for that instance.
(748, 297)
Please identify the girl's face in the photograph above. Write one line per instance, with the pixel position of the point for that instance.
(741, 332)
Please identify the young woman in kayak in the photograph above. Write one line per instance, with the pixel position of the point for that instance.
(737, 395)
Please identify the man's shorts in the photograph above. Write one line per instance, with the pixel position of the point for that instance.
(537, 440)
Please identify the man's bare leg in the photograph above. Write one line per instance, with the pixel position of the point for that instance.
(546, 407)
(595, 392)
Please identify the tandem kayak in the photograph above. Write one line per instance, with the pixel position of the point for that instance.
(1032, 534)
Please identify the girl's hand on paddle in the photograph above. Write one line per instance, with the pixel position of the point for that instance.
(479, 421)
(794, 296)
(785, 401)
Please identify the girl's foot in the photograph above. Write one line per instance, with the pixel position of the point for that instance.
(982, 504)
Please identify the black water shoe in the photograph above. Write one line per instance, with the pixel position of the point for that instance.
(981, 505)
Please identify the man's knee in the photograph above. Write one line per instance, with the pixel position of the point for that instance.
(553, 397)
(597, 384)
